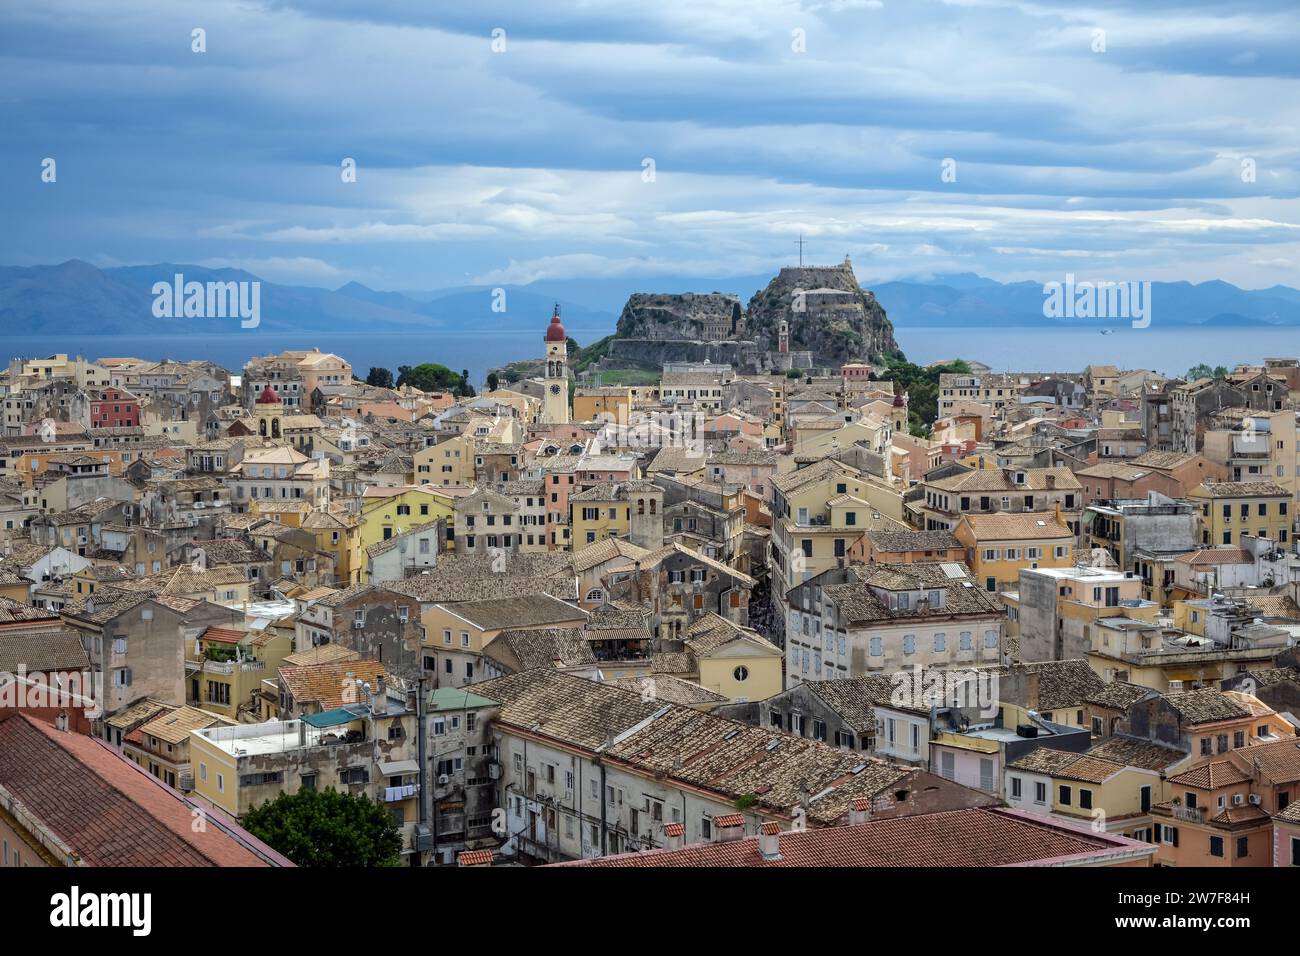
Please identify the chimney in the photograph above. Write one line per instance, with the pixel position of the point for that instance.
(728, 828)
(379, 701)
(1051, 482)
(673, 833)
(860, 811)
(769, 841)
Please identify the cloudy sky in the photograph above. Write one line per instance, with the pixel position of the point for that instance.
(674, 137)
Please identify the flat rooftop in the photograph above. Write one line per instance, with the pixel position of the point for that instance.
(271, 737)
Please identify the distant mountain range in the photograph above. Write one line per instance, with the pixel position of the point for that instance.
(76, 297)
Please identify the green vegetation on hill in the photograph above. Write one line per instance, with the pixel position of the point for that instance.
(593, 353)
(922, 387)
(432, 377)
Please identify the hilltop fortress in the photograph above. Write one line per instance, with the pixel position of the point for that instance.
(806, 317)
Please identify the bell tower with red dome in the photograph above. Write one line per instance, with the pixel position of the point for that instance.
(270, 415)
(555, 406)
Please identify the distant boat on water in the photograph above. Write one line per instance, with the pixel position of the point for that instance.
(1107, 331)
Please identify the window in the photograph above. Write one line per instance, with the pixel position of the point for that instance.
(1040, 792)
(1065, 796)
(1085, 799)
(1015, 788)
(1243, 847)
(740, 674)
(819, 730)
(1216, 846)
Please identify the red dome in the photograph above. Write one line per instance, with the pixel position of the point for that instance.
(268, 396)
(555, 331)
(898, 400)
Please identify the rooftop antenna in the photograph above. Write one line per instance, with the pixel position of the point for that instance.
(799, 243)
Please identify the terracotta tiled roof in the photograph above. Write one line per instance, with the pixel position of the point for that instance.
(984, 837)
(324, 654)
(518, 612)
(1090, 769)
(728, 820)
(1137, 752)
(1044, 760)
(1206, 705)
(474, 858)
(697, 749)
(1211, 775)
(328, 684)
(43, 650)
(1118, 695)
(223, 635)
(1278, 761)
(1024, 526)
(108, 811)
(175, 727)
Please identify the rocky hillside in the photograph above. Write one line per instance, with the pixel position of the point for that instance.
(689, 315)
(829, 314)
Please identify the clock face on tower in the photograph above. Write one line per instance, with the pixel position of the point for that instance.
(555, 390)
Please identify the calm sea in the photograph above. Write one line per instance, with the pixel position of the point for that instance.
(1170, 351)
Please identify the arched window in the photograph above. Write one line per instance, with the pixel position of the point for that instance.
(595, 594)
(640, 506)
(275, 428)
(653, 506)
(261, 427)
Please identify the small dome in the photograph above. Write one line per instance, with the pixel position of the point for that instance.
(898, 400)
(268, 396)
(555, 331)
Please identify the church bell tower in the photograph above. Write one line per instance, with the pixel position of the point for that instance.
(555, 409)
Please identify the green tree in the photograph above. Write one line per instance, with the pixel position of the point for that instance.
(432, 377)
(922, 387)
(327, 828)
(492, 381)
(1205, 371)
(380, 377)
(794, 373)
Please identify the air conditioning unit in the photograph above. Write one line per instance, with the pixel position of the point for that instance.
(1238, 799)
(443, 779)
(1255, 799)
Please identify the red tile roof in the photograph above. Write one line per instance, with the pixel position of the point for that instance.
(224, 635)
(110, 812)
(988, 836)
(729, 820)
(474, 858)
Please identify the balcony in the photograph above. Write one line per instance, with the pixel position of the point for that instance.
(1188, 814)
(229, 667)
(398, 794)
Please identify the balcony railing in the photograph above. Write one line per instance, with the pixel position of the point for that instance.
(1189, 814)
(229, 667)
